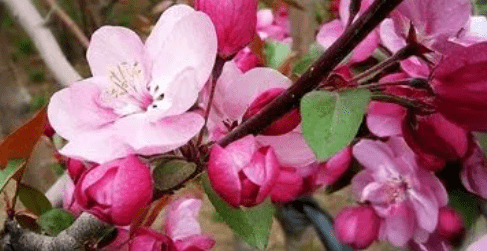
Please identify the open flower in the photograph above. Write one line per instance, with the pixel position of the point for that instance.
(138, 98)
(406, 197)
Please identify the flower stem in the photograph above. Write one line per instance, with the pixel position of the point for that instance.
(217, 71)
(352, 36)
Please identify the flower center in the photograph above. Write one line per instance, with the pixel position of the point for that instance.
(397, 189)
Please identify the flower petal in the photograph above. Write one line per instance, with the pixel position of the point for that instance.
(241, 92)
(291, 149)
(111, 46)
(69, 117)
(223, 175)
(191, 43)
(385, 119)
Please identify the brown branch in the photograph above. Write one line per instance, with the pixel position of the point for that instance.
(352, 36)
(72, 26)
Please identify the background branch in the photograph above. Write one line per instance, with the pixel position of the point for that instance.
(32, 22)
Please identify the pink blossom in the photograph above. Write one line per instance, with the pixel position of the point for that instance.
(243, 173)
(138, 98)
(330, 32)
(450, 225)
(295, 182)
(274, 26)
(434, 243)
(246, 59)
(460, 85)
(235, 22)
(115, 192)
(433, 20)
(406, 197)
(69, 201)
(436, 135)
(357, 227)
(236, 91)
(285, 124)
(474, 171)
(182, 231)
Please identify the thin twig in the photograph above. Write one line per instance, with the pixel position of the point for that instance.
(72, 26)
(352, 36)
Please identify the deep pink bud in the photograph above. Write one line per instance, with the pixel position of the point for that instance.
(333, 169)
(450, 225)
(116, 192)
(246, 59)
(243, 173)
(436, 135)
(75, 168)
(289, 186)
(281, 126)
(48, 130)
(460, 85)
(357, 227)
(235, 22)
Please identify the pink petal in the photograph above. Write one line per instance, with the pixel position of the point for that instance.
(288, 187)
(69, 117)
(162, 30)
(385, 119)
(223, 175)
(389, 36)
(359, 182)
(377, 157)
(399, 226)
(191, 43)
(149, 137)
(132, 190)
(182, 218)
(195, 242)
(181, 94)
(329, 33)
(478, 245)
(271, 173)
(242, 151)
(241, 92)
(291, 149)
(426, 208)
(474, 172)
(111, 46)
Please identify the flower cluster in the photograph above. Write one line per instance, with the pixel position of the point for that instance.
(197, 78)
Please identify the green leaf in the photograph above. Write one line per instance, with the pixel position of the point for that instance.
(55, 221)
(252, 224)
(33, 199)
(331, 119)
(276, 53)
(172, 173)
(303, 63)
(14, 167)
(465, 203)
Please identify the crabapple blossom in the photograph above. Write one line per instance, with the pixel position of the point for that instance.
(434, 21)
(406, 198)
(274, 26)
(357, 227)
(246, 59)
(235, 22)
(461, 87)
(138, 99)
(295, 182)
(116, 192)
(330, 32)
(243, 173)
(235, 91)
(182, 231)
(450, 225)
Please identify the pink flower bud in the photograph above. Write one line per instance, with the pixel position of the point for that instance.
(281, 126)
(357, 227)
(116, 192)
(436, 135)
(235, 22)
(450, 225)
(75, 168)
(246, 59)
(48, 130)
(460, 85)
(243, 173)
(333, 169)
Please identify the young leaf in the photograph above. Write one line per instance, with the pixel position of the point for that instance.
(331, 119)
(172, 173)
(13, 169)
(252, 224)
(55, 221)
(20, 143)
(276, 53)
(33, 199)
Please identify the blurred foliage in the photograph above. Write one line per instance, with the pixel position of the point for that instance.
(481, 7)
(37, 76)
